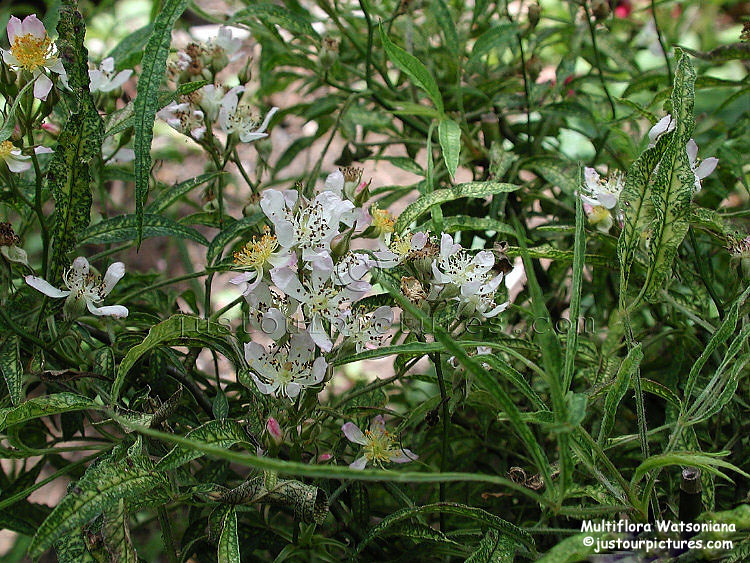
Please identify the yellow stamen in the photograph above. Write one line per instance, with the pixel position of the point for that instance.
(381, 219)
(5, 148)
(31, 52)
(256, 252)
(401, 245)
(379, 447)
(598, 214)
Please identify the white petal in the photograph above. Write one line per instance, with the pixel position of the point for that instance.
(692, 151)
(359, 463)
(404, 456)
(319, 369)
(267, 120)
(45, 287)
(9, 59)
(33, 26)
(81, 266)
(43, 150)
(109, 311)
(18, 163)
(98, 80)
(108, 64)
(353, 433)
(706, 166)
(254, 351)
(377, 425)
(607, 200)
(292, 389)
(14, 28)
(335, 182)
(250, 137)
(42, 86)
(112, 276)
(592, 178)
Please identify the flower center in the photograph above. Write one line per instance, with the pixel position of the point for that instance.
(31, 52)
(381, 219)
(5, 149)
(256, 252)
(379, 447)
(598, 214)
(401, 245)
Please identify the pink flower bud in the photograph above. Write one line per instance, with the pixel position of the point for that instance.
(324, 457)
(51, 128)
(274, 430)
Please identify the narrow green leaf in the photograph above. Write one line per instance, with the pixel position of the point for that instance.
(10, 117)
(449, 134)
(228, 550)
(457, 223)
(617, 391)
(673, 187)
(219, 433)
(723, 53)
(692, 459)
(10, 366)
(102, 487)
(571, 344)
(274, 14)
(154, 65)
(476, 514)
(170, 194)
(471, 189)
(125, 228)
(116, 533)
(413, 68)
(443, 17)
(46, 405)
(497, 37)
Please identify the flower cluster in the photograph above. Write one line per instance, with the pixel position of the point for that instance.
(601, 198)
(228, 108)
(302, 287)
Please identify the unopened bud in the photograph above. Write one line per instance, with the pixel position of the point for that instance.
(341, 243)
(329, 52)
(274, 430)
(535, 11)
(600, 9)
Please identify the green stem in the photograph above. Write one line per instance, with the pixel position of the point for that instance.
(166, 532)
(445, 429)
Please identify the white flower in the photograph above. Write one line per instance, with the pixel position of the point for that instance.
(211, 98)
(351, 270)
(600, 192)
(400, 248)
(185, 119)
(224, 41)
(455, 269)
(700, 168)
(84, 286)
(309, 228)
(663, 126)
(285, 370)
(31, 49)
(321, 300)
(15, 160)
(367, 332)
(9, 245)
(600, 197)
(379, 445)
(235, 117)
(255, 257)
(105, 79)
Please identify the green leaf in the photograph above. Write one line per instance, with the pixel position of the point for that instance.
(457, 223)
(617, 391)
(101, 488)
(179, 330)
(228, 549)
(499, 36)
(273, 14)
(10, 366)
(116, 533)
(171, 194)
(449, 134)
(129, 51)
(471, 189)
(494, 548)
(476, 514)
(571, 344)
(10, 117)
(708, 462)
(673, 188)
(153, 65)
(125, 228)
(221, 433)
(723, 53)
(46, 405)
(443, 17)
(413, 68)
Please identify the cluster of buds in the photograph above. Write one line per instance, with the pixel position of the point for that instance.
(202, 61)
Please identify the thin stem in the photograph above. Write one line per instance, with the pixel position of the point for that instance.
(446, 428)
(661, 41)
(166, 532)
(597, 62)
